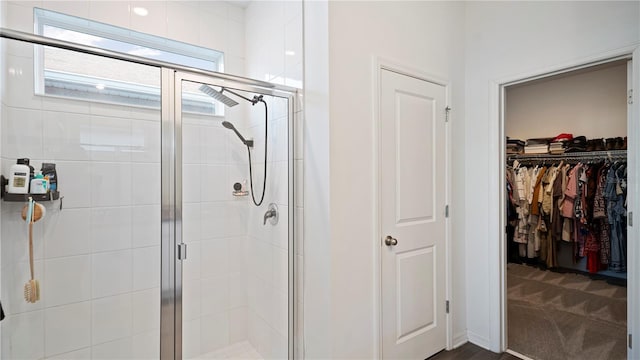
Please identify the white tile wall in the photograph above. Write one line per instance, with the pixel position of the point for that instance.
(67, 328)
(111, 318)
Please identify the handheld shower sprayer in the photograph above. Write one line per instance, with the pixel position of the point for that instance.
(230, 126)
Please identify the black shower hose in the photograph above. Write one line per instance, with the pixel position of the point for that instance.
(264, 180)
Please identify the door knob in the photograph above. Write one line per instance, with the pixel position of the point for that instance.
(390, 241)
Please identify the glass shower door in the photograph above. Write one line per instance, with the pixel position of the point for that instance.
(235, 279)
(96, 249)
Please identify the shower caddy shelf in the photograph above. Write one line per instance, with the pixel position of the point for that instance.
(50, 196)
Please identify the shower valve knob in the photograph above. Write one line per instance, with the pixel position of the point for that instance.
(237, 186)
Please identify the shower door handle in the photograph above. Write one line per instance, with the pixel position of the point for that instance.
(390, 241)
(182, 251)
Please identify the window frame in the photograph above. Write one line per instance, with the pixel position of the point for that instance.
(44, 18)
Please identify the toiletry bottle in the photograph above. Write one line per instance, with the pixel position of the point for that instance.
(49, 169)
(39, 184)
(19, 177)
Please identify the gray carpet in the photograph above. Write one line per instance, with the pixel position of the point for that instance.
(565, 316)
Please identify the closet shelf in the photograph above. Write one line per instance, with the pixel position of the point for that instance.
(575, 156)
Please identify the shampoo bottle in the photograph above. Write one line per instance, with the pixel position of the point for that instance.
(19, 177)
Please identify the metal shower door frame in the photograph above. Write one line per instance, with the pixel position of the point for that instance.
(171, 175)
(171, 277)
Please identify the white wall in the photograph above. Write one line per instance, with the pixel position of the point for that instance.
(591, 103)
(423, 35)
(505, 40)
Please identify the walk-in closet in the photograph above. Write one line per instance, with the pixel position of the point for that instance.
(566, 220)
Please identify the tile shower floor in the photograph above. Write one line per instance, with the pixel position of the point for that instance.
(242, 350)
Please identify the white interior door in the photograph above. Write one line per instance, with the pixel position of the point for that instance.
(412, 203)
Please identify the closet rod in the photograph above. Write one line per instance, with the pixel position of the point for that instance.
(576, 156)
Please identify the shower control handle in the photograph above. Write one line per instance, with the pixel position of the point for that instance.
(390, 241)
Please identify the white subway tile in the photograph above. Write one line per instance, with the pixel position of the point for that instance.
(237, 290)
(111, 139)
(156, 20)
(67, 136)
(182, 22)
(111, 318)
(191, 146)
(191, 339)
(82, 354)
(280, 312)
(214, 332)
(67, 328)
(214, 260)
(75, 8)
(146, 346)
(67, 280)
(19, 16)
(146, 184)
(191, 183)
(146, 267)
(215, 184)
(146, 311)
(145, 141)
(111, 273)
(280, 269)
(237, 325)
(235, 38)
(119, 349)
(213, 142)
(74, 183)
(20, 81)
(146, 226)
(237, 255)
(191, 222)
(110, 229)
(22, 134)
(191, 299)
(213, 34)
(111, 184)
(215, 294)
(23, 336)
(115, 13)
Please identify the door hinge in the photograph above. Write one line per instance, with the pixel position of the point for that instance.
(630, 97)
(446, 306)
(630, 347)
(182, 251)
(630, 218)
(446, 211)
(446, 114)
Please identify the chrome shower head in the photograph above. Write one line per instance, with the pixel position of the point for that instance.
(230, 126)
(218, 95)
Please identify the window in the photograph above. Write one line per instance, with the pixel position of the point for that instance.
(88, 77)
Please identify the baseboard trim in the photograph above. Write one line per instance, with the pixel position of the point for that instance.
(518, 355)
(460, 339)
(479, 340)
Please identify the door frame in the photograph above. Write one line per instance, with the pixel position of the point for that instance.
(379, 64)
(175, 266)
(497, 250)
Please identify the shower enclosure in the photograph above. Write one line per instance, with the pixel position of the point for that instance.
(155, 248)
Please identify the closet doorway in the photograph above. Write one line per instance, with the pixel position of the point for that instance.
(565, 213)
